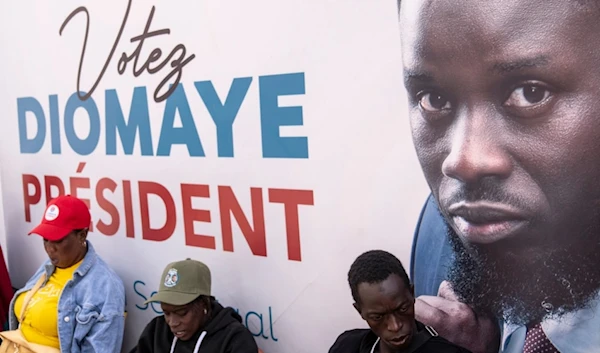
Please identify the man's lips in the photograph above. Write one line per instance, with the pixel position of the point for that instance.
(179, 334)
(399, 341)
(486, 222)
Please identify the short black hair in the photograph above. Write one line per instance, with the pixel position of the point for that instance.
(374, 266)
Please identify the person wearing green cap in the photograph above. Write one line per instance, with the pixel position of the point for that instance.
(192, 320)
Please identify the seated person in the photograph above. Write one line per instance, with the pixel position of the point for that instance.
(74, 292)
(383, 296)
(193, 321)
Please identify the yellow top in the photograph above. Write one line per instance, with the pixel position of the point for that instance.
(40, 324)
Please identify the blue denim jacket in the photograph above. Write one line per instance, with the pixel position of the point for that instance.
(91, 308)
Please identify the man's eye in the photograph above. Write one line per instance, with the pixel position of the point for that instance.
(527, 96)
(432, 102)
(376, 317)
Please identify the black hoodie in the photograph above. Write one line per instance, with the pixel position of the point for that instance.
(224, 334)
(363, 340)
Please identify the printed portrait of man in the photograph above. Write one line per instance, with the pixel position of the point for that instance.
(504, 106)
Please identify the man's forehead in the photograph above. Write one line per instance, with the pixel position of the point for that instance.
(170, 307)
(504, 31)
(390, 287)
(489, 15)
(374, 301)
(429, 6)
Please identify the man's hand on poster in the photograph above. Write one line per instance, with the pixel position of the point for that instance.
(457, 322)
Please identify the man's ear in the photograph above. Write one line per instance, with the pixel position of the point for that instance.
(355, 305)
(412, 289)
(206, 301)
(83, 234)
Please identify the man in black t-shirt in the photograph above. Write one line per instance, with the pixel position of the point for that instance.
(384, 298)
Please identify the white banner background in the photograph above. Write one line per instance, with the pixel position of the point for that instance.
(367, 185)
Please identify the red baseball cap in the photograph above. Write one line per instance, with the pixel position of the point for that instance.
(63, 215)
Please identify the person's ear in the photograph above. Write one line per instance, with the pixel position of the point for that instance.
(83, 234)
(412, 289)
(357, 307)
(206, 305)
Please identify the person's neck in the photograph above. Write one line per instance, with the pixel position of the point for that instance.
(82, 256)
(383, 348)
(78, 260)
(205, 322)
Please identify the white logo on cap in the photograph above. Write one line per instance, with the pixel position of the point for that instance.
(51, 213)
(172, 278)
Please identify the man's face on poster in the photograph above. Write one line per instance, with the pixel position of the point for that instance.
(504, 100)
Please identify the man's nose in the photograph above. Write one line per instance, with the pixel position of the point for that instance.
(173, 323)
(476, 147)
(394, 324)
(50, 248)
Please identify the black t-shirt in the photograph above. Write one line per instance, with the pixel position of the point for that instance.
(362, 341)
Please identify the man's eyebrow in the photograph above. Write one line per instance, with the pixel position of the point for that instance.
(403, 304)
(375, 312)
(522, 64)
(183, 308)
(411, 75)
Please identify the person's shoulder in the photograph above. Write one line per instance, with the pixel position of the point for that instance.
(349, 341)
(157, 322)
(100, 270)
(436, 343)
(240, 336)
(155, 336)
(102, 287)
(236, 327)
(156, 327)
(442, 345)
(231, 321)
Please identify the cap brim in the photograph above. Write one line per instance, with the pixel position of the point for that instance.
(172, 298)
(50, 232)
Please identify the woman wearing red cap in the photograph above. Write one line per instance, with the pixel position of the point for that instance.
(74, 302)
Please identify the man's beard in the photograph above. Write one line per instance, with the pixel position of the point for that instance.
(523, 290)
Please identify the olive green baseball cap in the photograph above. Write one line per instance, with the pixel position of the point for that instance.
(182, 282)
